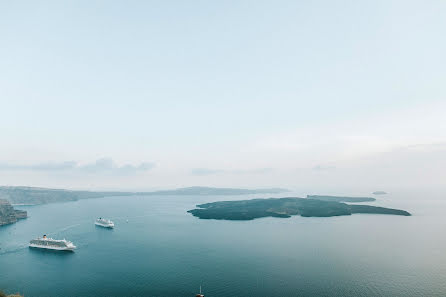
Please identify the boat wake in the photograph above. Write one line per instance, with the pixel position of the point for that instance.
(12, 249)
(65, 229)
(125, 219)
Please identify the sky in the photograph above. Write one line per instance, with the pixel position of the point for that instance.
(164, 94)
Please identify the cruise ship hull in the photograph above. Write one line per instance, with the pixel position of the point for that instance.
(110, 226)
(55, 248)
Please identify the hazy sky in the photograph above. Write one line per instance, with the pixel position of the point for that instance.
(145, 94)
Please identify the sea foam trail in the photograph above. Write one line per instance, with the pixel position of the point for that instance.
(131, 217)
(66, 228)
(12, 249)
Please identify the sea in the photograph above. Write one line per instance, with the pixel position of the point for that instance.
(158, 249)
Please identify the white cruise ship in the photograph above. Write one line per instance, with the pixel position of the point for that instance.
(104, 223)
(52, 244)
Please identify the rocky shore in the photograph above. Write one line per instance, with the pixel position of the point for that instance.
(9, 215)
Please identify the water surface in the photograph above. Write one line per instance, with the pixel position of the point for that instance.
(157, 249)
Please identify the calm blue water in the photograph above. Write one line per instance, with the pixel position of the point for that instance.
(163, 251)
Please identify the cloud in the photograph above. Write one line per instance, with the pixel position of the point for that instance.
(208, 171)
(205, 171)
(104, 165)
(253, 171)
(420, 147)
(323, 168)
(49, 166)
(108, 165)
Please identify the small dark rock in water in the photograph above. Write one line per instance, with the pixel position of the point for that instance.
(284, 208)
(379, 193)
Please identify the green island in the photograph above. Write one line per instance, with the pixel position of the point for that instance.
(285, 208)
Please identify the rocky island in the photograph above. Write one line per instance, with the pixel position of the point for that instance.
(285, 208)
(9, 215)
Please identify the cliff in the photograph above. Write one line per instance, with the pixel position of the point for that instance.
(9, 215)
(216, 191)
(33, 195)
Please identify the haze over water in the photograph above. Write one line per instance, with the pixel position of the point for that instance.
(149, 95)
(164, 251)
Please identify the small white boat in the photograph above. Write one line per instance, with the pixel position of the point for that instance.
(104, 223)
(52, 244)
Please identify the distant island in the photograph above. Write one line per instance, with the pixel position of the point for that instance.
(285, 208)
(9, 215)
(341, 198)
(34, 195)
(379, 193)
(216, 191)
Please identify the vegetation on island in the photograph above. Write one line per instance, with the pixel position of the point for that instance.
(284, 208)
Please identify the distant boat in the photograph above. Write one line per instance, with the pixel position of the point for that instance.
(104, 223)
(199, 295)
(52, 244)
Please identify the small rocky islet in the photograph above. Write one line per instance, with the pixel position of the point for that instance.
(312, 206)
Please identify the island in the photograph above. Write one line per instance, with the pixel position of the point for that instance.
(216, 191)
(9, 215)
(341, 198)
(379, 193)
(35, 195)
(284, 208)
